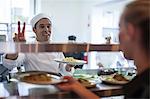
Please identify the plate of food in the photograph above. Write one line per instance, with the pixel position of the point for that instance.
(106, 72)
(86, 83)
(39, 77)
(71, 61)
(116, 79)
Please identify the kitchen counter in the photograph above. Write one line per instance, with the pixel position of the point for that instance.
(24, 90)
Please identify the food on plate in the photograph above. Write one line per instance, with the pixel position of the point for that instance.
(32, 78)
(114, 79)
(119, 77)
(69, 59)
(106, 72)
(86, 83)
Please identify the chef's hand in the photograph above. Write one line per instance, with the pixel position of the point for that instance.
(69, 67)
(19, 37)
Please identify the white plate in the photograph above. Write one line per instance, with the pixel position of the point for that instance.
(111, 80)
(55, 78)
(77, 62)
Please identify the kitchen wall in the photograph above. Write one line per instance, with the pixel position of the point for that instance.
(85, 19)
(105, 20)
(69, 17)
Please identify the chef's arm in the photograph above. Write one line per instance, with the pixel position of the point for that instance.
(10, 62)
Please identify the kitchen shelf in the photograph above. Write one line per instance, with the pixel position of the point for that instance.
(56, 47)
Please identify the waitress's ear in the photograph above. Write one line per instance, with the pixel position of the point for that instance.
(131, 31)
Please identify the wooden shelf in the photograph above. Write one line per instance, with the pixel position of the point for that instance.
(61, 47)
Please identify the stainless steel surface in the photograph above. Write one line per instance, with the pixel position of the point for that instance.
(22, 90)
(11, 47)
(101, 90)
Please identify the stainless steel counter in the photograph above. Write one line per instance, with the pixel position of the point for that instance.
(25, 90)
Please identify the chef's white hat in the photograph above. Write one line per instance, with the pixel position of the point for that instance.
(36, 18)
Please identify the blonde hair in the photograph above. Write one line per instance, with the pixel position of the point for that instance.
(138, 14)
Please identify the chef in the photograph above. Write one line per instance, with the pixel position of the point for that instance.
(41, 25)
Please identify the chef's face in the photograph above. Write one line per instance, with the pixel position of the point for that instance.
(42, 30)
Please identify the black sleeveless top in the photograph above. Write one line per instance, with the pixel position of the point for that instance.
(139, 87)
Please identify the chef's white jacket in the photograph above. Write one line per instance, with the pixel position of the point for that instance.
(39, 62)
